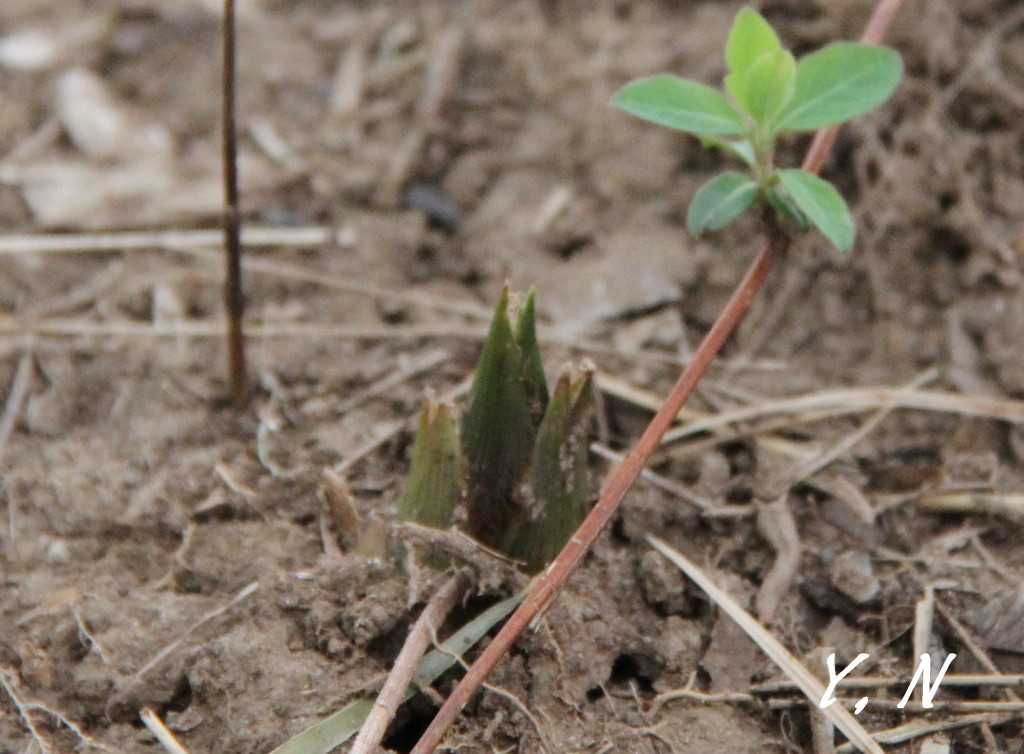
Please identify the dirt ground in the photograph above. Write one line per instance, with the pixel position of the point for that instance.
(158, 549)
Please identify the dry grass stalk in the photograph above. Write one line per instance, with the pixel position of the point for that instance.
(390, 696)
(215, 328)
(820, 461)
(877, 682)
(1010, 505)
(920, 728)
(86, 243)
(952, 708)
(156, 726)
(856, 400)
(801, 676)
(664, 483)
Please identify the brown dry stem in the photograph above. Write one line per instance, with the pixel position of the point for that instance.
(390, 696)
(234, 300)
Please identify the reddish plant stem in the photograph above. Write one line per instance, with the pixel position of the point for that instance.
(549, 584)
(234, 301)
(880, 21)
(875, 30)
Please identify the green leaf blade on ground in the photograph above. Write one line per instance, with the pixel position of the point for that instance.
(678, 103)
(750, 38)
(340, 726)
(823, 205)
(720, 201)
(839, 82)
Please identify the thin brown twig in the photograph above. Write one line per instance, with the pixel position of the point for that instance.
(508, 696)
(551, 581)
(390, 696)
(234, 300)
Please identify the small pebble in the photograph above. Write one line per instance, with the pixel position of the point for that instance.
(438, 208)
(853, 575)
(57, 552)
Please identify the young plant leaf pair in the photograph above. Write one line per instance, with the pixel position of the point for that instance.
(767, 92)
(518, 456)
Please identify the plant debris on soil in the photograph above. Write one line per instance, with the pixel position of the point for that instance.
(158, 549)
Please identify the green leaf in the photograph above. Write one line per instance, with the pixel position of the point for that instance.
(750, 38)
(529, 349)
(838, 82)
(337, 728)
(735, 84)
(434, 485)
(720, 201)
(784, 205)
(498, 427)
(739, 147)
(679, 103)
(767, 86)
(559, 474)
(822, 204)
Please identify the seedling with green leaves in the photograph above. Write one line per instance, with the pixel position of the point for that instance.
(767, 92)
(518, 455)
